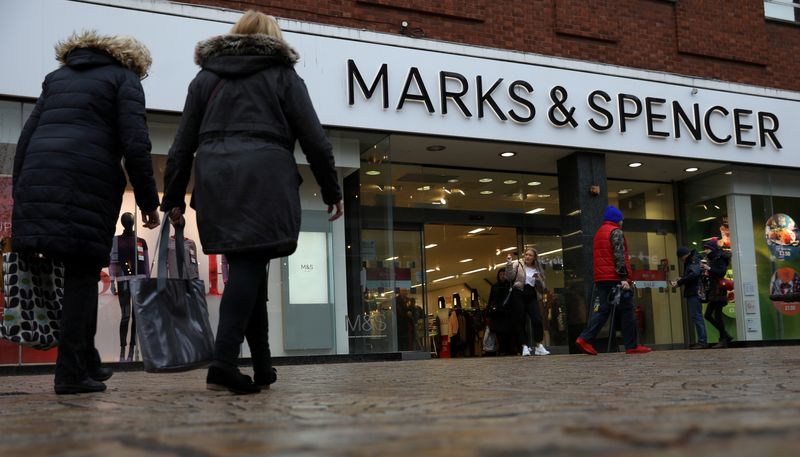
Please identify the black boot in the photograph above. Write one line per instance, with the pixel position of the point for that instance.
(265, 379)
(122, 353)
(219, 378)
(101, 373)
(88, 385)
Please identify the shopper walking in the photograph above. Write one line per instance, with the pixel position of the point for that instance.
(690, 281)
(500, 313)
(68, 182)
(243, 112)
(527, 281)
(613, 285)
(718, 263)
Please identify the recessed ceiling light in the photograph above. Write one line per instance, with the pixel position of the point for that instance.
(465, 260)
(534, 183)
(635, 164)
(424, 188)
(432, 245)
(510, 181)
(444, 279)
(452, 180)
(477, 230)
(436, 147)
(691, 169)
(392, 258)
(485, 180)
(372, 172)
(534, 211)
(543, 195)
(623, 191)
(728, 173)
(487, 192)
(507, 154)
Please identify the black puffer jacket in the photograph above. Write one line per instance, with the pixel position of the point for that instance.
(691, 275)
(68, 178)
(246, 179)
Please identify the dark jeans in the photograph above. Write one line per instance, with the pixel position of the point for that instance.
(524, 306)
(77, 355)
(124, 296)
(243, 312)
(625, 311)
(696, 314)
(714, 315)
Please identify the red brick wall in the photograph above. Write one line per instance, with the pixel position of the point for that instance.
(727, 40)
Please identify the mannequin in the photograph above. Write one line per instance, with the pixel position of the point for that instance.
(129, 260)
(190, 262)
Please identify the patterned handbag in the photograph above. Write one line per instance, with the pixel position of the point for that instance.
(34, 292)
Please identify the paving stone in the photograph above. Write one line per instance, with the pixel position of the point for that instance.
(734, 402)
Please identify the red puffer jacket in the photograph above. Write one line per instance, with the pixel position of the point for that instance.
(604, 268)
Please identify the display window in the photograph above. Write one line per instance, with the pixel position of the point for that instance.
(777, 241)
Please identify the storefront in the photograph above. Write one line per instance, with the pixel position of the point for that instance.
(453, 156)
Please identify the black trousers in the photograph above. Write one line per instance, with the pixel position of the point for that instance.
(124, 296)
(525, 306)
(243, 312)
(77, 355)
(714, 315)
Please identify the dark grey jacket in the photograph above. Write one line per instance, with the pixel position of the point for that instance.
(246, 179)
(68, 178)
(691, 275)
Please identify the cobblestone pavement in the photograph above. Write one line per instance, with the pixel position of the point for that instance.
(735, 402)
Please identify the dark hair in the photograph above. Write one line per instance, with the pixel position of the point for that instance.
(502, 270)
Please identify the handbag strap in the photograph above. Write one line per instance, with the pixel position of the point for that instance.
(180, 253)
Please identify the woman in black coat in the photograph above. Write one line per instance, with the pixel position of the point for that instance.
(243, 113)
(718, 263)
(68, 182)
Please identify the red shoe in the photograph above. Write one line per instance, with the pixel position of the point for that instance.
(586, 346)
(639, 350)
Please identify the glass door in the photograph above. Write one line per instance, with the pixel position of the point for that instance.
(659, 308)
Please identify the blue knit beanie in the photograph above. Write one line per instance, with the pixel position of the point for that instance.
(612, 214)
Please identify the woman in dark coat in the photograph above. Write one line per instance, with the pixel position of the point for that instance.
(68, 182)
(500, 313)
(718, 263)
(243, 113)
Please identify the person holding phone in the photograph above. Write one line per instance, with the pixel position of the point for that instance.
(527, 281)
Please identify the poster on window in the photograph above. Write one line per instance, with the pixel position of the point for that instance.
(308, 270)
(784, 291)
(781, 234)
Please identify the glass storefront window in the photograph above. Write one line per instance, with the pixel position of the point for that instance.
(777, 241)
(705, 220)
(642, 200)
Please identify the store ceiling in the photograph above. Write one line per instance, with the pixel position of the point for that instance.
(457, 153)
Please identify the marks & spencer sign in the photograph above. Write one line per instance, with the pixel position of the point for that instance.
(513, 101)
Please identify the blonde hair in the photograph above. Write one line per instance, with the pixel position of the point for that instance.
(253, 22)
(536, 263)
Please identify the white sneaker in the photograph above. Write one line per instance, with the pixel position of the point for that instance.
(526, 351)
(540, 350)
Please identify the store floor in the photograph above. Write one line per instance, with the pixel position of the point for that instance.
(735, 402)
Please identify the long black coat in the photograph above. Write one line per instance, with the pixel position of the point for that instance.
(68, 179)
(243, 112)
(718, 261)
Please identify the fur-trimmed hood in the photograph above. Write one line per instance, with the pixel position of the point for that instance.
(128, 51)
(244, 45)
